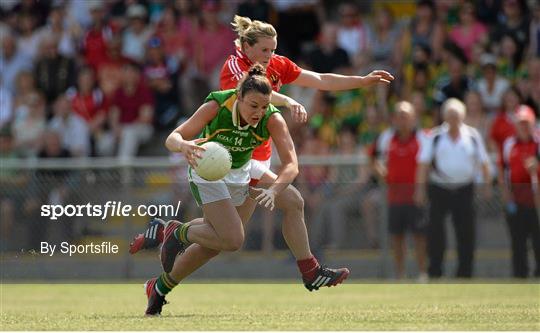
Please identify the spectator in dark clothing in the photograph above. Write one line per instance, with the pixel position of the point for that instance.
(256, 10)
(457, 84)
(297, 24)
(39, 9)
(488, 11)
(54, 73)
(534, 34)
(328, 57)
(513, 22)
(161, 73)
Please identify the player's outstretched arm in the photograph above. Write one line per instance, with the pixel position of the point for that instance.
(332, 82)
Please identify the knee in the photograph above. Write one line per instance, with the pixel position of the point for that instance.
(293, 199)
(210, 253)
(233, 242)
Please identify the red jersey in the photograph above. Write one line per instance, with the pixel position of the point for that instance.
(501, 129)
(130, 105)
(281, 70)
(87, 106)
(94, 46)
(515, 153)
(401, 158)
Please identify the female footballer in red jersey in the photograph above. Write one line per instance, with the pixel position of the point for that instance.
(256, 43)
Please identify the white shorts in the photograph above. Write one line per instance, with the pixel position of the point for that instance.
(259, 168)
(234, 186)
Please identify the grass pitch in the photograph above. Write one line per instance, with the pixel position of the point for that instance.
(273, 307)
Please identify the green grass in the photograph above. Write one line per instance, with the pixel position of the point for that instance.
(274, 307)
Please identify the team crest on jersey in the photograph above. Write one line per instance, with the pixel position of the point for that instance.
(274, 79)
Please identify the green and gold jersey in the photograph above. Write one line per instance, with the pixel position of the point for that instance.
(225, 128)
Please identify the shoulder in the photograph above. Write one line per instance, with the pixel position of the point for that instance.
(382, 141)
(509, 141)
(234, 66)
(385, 137)
(422, 136)
(438, 131)
(508, 144)
(273, 109)
(279, 61)
(472, 131)
(71, 93)
(275, 120)
(222, 96)
(208, 111)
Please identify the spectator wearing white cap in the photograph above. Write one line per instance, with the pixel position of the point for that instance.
(137, 33)
(491, 86)
(519, 180)
(451, 157)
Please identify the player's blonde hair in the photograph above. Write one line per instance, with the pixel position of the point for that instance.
(250, 31)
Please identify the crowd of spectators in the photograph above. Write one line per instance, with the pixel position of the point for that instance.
(120, 72)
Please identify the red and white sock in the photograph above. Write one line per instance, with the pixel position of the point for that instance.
(308, 267)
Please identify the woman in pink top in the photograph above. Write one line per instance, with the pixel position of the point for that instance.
(470, 31)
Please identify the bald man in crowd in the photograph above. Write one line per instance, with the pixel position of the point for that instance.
(394, 160)
(449, 164)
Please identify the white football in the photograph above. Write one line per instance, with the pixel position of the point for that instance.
(215, 163)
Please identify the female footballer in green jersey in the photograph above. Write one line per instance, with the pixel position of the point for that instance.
(241, 120)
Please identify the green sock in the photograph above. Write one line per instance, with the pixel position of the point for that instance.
(164, 284)
(181, 234)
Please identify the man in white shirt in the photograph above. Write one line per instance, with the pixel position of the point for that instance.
(73, 130)
(451, 158)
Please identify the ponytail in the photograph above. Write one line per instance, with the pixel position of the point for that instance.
(255, 80)
(249, 31)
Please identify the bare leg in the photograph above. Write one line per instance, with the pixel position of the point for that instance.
(267, 232)
(400, 251)
(294, 231)
(420, 251)
(196, 255)
(293, 228)
(222, 229)
(369, 207)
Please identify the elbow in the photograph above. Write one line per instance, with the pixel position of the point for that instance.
(294, 171)
(169, 142)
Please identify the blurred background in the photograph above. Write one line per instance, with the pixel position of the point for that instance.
(63, 64)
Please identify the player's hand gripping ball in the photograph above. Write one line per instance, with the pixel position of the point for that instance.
(215, 162)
